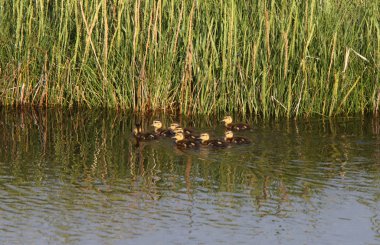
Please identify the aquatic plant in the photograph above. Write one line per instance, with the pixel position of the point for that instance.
(270, 58)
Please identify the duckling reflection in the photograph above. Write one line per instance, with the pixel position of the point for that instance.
(231, 126)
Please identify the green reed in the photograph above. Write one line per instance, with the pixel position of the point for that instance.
(271, 58)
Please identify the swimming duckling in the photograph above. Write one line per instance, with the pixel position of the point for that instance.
(205, 140)
(236, 126)
(160, 131)
(185, 130)
(181, 142)
(229, 138)
(173, 126)
(188, 131)
(139, 135)
(190, 137)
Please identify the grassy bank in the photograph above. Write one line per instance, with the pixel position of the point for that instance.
(273, 58)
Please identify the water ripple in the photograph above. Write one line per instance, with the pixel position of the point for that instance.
(86, 182)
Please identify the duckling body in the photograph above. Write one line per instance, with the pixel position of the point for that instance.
(181, 142)
(205, 140)
(229, 138)
(234, 126)
(188, 131)
(158, 130)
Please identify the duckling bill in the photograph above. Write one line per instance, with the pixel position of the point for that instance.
(229, 138)
(234, 126)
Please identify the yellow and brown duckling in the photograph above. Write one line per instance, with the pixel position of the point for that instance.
(188, 136)
(139, 135)
(205, 140)
(186, 131)
(234, 126)
(229, 138)
(181, 142)
(158, 130)
(173, 126)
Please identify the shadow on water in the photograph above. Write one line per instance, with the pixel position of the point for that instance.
(76, 176)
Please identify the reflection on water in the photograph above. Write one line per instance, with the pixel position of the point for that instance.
(78, 177)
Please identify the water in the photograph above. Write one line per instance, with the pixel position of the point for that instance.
(78, 178)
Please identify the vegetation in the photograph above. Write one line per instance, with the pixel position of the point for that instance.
(272, 58)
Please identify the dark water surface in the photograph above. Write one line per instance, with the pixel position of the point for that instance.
(77, 177)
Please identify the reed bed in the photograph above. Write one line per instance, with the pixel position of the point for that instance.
(269, 58)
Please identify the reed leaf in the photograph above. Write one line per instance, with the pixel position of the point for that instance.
(267, 58)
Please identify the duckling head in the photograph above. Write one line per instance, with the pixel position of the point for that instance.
(178, 137)
(173, 126)
(178, 130)
(204, 137)
(227, 120)
(228, 135)
(157, 124)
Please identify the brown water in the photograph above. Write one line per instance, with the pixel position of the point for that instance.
(77, 177)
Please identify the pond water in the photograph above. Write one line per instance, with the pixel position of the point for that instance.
(79, 178)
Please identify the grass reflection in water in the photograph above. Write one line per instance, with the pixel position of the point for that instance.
(89, 158)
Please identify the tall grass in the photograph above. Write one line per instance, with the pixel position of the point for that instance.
(272, 58)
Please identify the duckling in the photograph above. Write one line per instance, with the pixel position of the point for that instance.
(234, 126)
(181, 142)
(229, 138)
(139, 135)
(160, 131)
(173, 126)
(205, 140)
(190, 137)
(186, 131)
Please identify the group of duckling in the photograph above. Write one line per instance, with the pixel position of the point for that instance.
(185, 138)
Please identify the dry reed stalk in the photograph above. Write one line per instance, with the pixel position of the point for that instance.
(22, 94)
(377, 103)
(186, 77)
(346, 56)
(178, 27)
(45, 83)
(334, 94)
(286, 43)
(134, 50)
(332, 56)
(141, 93)
(89, 31)
(105, 41)
(299, 99)
(267, 34)
(348, 93)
